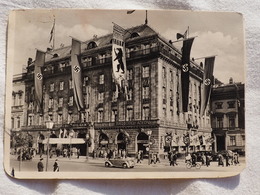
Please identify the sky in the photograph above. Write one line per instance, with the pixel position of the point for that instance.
(217, 33)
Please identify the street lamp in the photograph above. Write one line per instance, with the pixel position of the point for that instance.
(149, 133)
(49, 125)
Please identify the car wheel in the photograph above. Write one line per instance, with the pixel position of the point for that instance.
(124, 165)
(107, 164)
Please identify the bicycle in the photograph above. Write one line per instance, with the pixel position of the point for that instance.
(189, 165)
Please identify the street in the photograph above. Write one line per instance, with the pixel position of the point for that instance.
(98, 165)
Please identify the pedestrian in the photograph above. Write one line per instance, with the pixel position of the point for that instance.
(203, 158)
(78, 152)
(188, 158)
(139, 156)
(207, 160)
(56, 167)
(227, 161)
(220, 160)
(157, 158)
(40, 165)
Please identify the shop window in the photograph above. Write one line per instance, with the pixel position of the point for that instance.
(232, 140)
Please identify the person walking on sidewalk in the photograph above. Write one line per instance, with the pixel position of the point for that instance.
(40, 165)
(56, 166)
(138, 156)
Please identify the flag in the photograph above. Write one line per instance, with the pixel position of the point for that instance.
(38, 77)
(52, 31)
(207, 82)
(179, 35)
(76, 72)
(130, 11)
(118, 58)
(185, 72)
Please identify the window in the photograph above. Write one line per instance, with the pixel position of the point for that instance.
(102, 58)
(130, 94)
(18, 122)
(164, 73)
(219, 122)
(91, 45)
(70, 84)
(30, 106)
(171, 111)
(60, 119)
(100, 115)
(40, 120)
(114, 115)
(164, 95)
(100, 97)
(85, 80)
(232, 122)
(60, 103)
(145, 92)
(146, 114)
(51, 87)
(61, 85)
(164, 112)
(129, 74)
(171, 76)
(20, 99)
(69, 118)
(30, 120)
(114, 96)
(231, 104)
(146, 71)
(71, 101)
(232, 140)
(12, 122)
(101, 79)
(218, 105)
(50, 103)
(129, 114)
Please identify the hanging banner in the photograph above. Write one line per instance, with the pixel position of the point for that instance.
(38, 77)
(185, 72)
(207, 82)
(119, 57)
(76, 72)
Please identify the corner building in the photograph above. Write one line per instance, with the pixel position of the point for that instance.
(150, 115)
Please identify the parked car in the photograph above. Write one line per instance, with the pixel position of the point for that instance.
(120, 162)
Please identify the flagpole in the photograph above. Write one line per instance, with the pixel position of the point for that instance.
(205, 57)
(146, 21)
(54, 34)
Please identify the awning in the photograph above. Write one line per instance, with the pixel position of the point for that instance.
(64, 141)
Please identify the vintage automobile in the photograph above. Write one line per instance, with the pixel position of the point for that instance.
(120, 162)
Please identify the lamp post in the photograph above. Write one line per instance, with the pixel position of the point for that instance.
(149, 133)
(49, 125)
(87, 140)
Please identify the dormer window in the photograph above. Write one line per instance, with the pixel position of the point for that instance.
(135, 34)
(55, 55)
(91, 45)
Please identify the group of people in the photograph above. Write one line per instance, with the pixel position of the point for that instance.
(108, 154)
(40, 166)
(229, 159)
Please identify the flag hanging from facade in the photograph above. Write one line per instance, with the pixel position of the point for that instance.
(76, 72)
(185, 72)
(118, 58)
(207, 82)
(184, 36)
(38, 77)
(52, 31)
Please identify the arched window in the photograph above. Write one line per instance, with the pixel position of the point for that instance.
(91, 45)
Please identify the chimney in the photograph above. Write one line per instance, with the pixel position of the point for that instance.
(231, 80)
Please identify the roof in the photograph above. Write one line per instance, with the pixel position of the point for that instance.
(142, 30)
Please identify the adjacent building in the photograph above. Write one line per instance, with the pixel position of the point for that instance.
(228, 120)
(149, 118)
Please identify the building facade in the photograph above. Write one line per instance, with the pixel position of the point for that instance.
(228, 122)
(149, 118)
